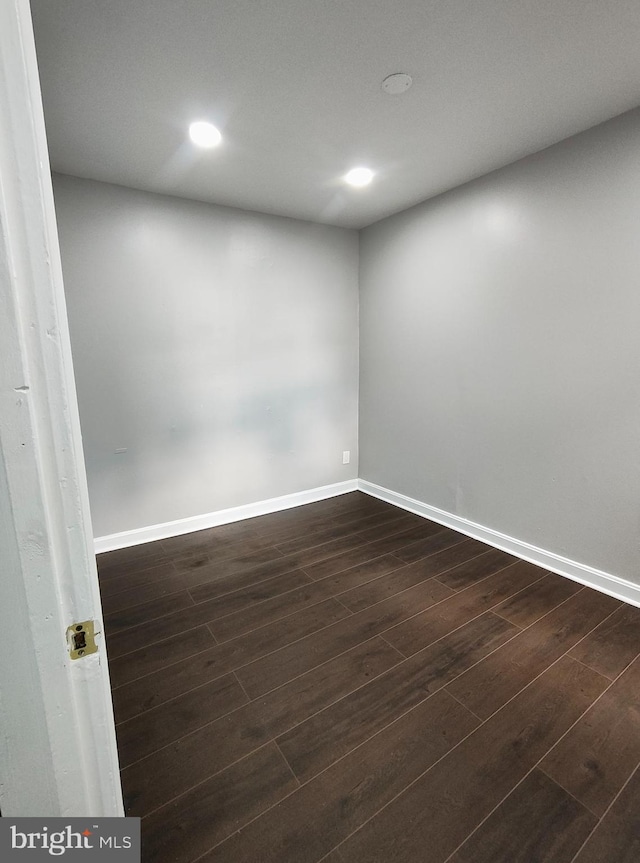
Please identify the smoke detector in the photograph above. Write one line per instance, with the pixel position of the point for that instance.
(397, 83)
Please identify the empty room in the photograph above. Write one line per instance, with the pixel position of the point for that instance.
(352, 291)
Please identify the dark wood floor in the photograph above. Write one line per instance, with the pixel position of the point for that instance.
(351, 683)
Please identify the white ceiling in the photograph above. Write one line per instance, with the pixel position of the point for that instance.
(294, 85)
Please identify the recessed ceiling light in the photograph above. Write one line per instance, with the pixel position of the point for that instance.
(204, 134)
(359, 177)
(397, 83)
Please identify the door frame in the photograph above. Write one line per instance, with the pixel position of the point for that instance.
(58, 753)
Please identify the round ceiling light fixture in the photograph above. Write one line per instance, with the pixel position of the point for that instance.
(397, 83)
(204, 134)
(359, 177)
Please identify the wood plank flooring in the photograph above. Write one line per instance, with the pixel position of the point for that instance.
(347, 682)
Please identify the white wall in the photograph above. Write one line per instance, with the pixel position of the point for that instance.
(500, 350)
(218, 346)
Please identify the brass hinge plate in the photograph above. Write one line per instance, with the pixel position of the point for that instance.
(81, 639)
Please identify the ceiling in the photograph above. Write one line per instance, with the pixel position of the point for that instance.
(295, 87)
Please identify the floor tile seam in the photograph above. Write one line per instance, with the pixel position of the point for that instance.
(192, 788)
(327, 599)
(484, 577)
(195, 605)
(619, 674)
(169, 665)
(253, 701)
(326, 856)
(506, 619)
(247, 696)
(604, 814)
(300, 568)
(503, 800)
(169, 557)
(189, 691)
(337, 700)
(461, 538)
(243, 635)
(590, 667)
(257, 749)
(158, 552)
(462, 563)
(188, 547)
(163, 559)
(292, 534)
(278, 620)
(359, 542)
(106, 600)
(593, 704)
(347, 535)
(212, 556)
(441, 688)
(627, 666)
(550, 610)
(350, 516)
(567, 791)
(444, 599)
(133, 626)
(404, 565)
(347, 568)
(468, 709)
(401, 659)
(289, 767)
(184, 537)
(306, 566)
(409, 541)
(320, 629)
(305, 782)
(182, 567)
(211, 581)
(349, 610)
(249, 587)
(391, 647)
(466, 737)
(587, 634)
(335, 597)
(565, 653)
(351, 532)
(261, 602)
(542, 616)
(469, 620)
(216, 643)
(399, 593)
(108, 582)
(106, 579)
(151, 619)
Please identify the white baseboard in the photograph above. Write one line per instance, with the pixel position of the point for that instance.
(127, 538)
(620, 588)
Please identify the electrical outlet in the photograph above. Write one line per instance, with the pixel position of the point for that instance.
(346, 457)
